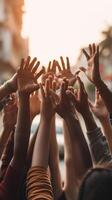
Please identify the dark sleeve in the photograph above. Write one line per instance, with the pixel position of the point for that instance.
(99, 147)
(111, 118)
(7, 155)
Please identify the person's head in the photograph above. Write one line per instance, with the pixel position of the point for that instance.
(97, 185)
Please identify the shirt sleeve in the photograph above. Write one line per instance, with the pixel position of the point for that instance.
(38, 184)
(99, 147)
(7, 155)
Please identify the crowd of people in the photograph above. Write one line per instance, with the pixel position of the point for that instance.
(30, 162)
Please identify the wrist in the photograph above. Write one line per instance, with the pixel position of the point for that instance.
(46, 119)
(68, 116)
(8, 129)
(98, 83)
(89, 121)
(104, 120)
(23, 96)
(86, 113)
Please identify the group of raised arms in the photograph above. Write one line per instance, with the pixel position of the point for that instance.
(29, 168)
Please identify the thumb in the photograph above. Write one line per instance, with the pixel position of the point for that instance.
(83, 69)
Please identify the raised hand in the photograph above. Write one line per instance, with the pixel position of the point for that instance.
(99, 109)
(34, 104)
(48, 105)
(65, 71)
(80, 98)
(50, 71)
(27, 76)
(92, 70)
(63, 106)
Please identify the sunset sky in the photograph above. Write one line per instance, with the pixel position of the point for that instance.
(62, 27)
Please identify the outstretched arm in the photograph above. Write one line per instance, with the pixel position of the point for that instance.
(93, 74)
(54, 162)
(98, 144)
(8, 87)
(26, 81)
(43, 137)
(79, 152)
(38, 178)
(8, 122)
(100, 111)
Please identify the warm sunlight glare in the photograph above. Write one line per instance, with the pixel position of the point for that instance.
(62, 27)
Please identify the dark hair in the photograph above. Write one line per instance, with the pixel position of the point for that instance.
(97, 185)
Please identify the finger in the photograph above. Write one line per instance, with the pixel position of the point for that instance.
(42, 91)
(71, 89)
(35, 67)
(81, 86)
(62, 88)
(97, 95)
(39, 74)
(97, 50)
(90, 50)
(32, 63)
(86, 54)
(66, 83)
(50, 81)
(47, 87)
(54, 67)
(83, 69)
(49, 67)
(76, 73)
(54, 85)
(73, 79)
(22, 64)
(27, 62)
(58, 66)
(68, 63)
(76, 93)
(94, 48)
(62, 62)
(71, 96)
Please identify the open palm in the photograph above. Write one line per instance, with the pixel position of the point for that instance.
(27, 79)
(92, 70)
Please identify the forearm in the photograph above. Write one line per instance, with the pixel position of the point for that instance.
(71, 179)
(7, 155)
(106, 95)
(81, 154)
(3, 139)
(31, 148)
(98, 144)
(89, 120)
(107, 129)
(5, 90)
(41, 148)
(54, 162)
(22, 132)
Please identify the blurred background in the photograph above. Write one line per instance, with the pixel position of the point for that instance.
(52, 28)
(49, 29)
